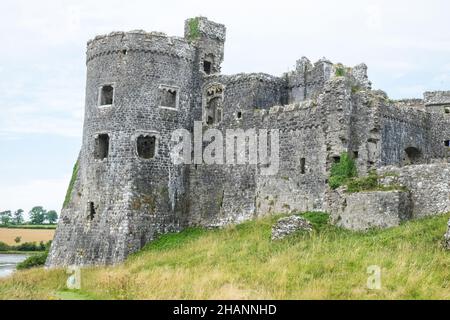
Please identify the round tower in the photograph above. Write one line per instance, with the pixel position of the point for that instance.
(138, 90)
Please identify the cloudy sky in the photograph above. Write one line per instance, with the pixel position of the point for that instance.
(406, 45)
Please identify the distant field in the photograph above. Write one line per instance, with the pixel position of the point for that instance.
(31, 226)
(28, 235)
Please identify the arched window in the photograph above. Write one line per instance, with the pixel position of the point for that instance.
(213, 100)
(412, 156)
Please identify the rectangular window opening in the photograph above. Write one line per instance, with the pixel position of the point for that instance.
(207, 66)
(106, 95)
(302, 165)
(447, 143)
(91, 211)
(168, 97)
(101, 146)
(146, 146)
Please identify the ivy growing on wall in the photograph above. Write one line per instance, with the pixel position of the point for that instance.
(194, 32)
(342, 171)
(71, 184)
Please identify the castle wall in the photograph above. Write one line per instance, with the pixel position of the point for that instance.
(429, 186)
(142, 86)
(367, 210)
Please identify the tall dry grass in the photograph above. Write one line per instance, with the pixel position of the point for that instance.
(240, 262)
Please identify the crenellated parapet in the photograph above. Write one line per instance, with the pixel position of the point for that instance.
(139, 41)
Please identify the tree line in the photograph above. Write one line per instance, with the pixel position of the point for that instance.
(38, 215)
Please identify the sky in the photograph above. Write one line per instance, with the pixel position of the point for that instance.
(406, 45)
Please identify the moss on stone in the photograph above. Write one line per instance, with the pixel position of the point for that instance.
(194, 31)
(371, 183)
(71, 184)
(340, 70)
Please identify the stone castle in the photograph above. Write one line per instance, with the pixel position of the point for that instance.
(142, 86)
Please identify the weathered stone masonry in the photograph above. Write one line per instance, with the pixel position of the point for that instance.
(142, 86)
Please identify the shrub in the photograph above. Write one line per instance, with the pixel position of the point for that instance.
(318, 219)
(4, 246)
(26, 246)
(342, 171)
(35, 260)
(340, 70)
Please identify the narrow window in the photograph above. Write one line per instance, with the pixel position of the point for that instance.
(355, 154)
(168, 97)
(239, 115)
(447, 143)
(91, 211)
(336, 159)
(302, 165)
(101, 146)
(208, 63)
(207, 67)
(212, 107)
(107, 95)
(214, 111)
(146, 146)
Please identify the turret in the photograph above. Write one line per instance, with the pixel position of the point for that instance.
(209, 38)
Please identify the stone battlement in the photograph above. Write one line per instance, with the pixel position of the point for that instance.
(139, 41)
(437, 98)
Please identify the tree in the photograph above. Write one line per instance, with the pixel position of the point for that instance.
(5, 217)
(18, 216)
(52, 216)
(37, 215)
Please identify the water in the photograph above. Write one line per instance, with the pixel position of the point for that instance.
(8, 263)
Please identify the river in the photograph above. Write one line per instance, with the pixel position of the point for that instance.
(8, 263)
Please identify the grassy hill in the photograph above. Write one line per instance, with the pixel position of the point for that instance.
(240, 262)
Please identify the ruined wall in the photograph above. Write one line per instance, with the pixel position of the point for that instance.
(366, 210)
(437, 102)
(404, 128)
(429, 186)
(307, 80)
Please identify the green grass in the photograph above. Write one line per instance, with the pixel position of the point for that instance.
(241, 262)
